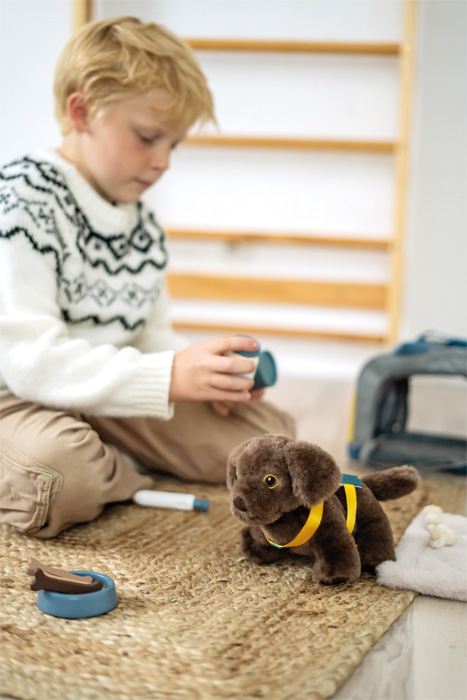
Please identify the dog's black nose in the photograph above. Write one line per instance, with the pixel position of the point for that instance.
(239, 503)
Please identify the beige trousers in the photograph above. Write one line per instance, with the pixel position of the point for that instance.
(59, 468)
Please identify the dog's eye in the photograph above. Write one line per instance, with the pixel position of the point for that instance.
(270, 480)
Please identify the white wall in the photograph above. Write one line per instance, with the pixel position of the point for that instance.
(436, 250)
(32, 33)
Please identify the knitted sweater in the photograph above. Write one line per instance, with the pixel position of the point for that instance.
(83, 304)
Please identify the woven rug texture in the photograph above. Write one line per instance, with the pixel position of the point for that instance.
(195, 620)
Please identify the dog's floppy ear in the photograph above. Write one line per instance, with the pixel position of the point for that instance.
(314, 473)
(232, 462)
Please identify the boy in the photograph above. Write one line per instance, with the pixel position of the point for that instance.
(90, 368)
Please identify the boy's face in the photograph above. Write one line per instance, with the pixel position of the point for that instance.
(127, 147)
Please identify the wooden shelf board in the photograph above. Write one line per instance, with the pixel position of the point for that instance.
(241, 237)
(291, 46)
(301, 144)
(257, 330)
(282, 291)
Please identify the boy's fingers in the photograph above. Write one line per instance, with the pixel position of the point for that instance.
(222, 408)
(234, 343)
(233, 365)
(231, 382)
(257, 393)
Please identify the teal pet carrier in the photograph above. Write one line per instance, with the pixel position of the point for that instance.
(379, 435)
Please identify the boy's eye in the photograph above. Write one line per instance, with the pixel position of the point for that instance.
(270, 480)
(147, 139)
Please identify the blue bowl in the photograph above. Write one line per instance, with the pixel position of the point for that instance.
(77, 605)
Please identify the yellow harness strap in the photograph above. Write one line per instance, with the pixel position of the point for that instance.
(350, 484)
(351, 497)
(308, 530)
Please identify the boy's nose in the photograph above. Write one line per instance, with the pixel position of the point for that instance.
(160, 159)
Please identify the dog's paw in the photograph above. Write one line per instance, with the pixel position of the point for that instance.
(333, 574)
(257, 551)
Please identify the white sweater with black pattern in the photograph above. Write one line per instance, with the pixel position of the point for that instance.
(83, 304)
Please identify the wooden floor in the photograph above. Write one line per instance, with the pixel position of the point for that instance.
(423, 655)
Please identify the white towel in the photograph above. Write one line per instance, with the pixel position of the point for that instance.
(420, 567)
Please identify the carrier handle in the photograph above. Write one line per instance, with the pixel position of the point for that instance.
(428, 340)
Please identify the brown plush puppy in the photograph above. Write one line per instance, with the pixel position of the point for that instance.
(275, 481)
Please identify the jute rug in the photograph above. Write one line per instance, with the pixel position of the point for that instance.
(195, 620)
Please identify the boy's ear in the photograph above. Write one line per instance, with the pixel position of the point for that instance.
(77, 111)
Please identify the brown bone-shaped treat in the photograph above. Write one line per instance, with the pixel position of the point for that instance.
(51, 578)
(34, 564)
(51, 582)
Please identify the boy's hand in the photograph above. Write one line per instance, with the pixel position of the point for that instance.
(202, 372)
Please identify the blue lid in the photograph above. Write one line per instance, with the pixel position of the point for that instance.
(200, 504)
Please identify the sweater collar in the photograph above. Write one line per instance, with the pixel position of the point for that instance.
(109, 216)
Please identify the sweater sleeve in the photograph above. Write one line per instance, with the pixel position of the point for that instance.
(41, 362)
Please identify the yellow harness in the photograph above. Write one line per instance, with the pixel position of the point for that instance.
(350, 484)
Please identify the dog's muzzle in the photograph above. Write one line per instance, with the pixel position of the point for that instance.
(239, 504)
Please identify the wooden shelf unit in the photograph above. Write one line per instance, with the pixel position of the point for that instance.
(383, 297)
(367, 296)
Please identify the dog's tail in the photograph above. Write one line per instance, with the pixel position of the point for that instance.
(392, 483)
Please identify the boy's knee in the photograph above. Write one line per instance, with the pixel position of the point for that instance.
(69, 480)
(262, 417)
(28, 489)
(40, 500)
(208, 438)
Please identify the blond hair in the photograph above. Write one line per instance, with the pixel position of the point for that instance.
(121, 57)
